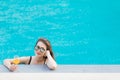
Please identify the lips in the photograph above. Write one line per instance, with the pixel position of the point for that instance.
(37, 53)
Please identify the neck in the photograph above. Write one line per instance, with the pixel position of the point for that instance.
(39, 59)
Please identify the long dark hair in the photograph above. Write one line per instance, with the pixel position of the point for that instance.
(48, 45)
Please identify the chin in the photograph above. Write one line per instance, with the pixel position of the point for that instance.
(38, 55)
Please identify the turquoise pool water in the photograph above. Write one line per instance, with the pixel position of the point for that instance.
(80, 31)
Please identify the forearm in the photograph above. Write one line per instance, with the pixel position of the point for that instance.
(51, 62)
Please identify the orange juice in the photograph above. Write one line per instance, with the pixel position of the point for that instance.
(16, 61)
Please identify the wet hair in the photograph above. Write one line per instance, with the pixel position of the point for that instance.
(48, 46)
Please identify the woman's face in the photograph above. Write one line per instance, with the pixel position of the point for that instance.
(40, 49)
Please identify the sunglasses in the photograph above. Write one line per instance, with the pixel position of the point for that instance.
(41, 49)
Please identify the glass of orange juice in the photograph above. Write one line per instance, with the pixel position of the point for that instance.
(16, 59)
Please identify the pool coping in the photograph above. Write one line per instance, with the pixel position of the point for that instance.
(64, 69)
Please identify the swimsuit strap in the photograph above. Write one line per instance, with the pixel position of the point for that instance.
(30, 60)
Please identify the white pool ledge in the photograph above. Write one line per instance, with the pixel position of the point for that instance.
(64, 69)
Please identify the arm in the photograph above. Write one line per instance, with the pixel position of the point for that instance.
(11, 66)
(50, 61)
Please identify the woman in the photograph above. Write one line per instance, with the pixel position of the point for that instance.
(43, 55)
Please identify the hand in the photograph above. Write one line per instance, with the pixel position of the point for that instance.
(47, 52)
(13, 67)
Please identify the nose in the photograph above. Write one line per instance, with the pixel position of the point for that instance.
(38, 52)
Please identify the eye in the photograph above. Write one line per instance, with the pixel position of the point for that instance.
(42, 49)
(37, 47)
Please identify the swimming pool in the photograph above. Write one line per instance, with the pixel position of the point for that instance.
(80, 31)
